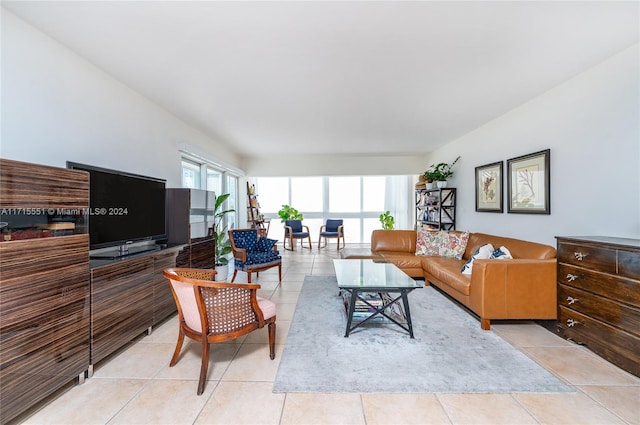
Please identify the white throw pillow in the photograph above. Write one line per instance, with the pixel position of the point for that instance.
(482, 253)
(501, 253)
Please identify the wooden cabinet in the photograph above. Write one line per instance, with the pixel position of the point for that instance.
(163, 302)
(599, 297)
(121, 304)
(128, 297)
(436, 209)
(44, 283)
(189, 217)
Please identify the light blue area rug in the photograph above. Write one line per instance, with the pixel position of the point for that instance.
(450, 353)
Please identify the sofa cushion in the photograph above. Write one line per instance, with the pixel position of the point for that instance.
(447, 271)
(427, 242)
(402, 260)
(442, 243)
(519, 248)
(393, 240)
(453, 244)
(484, 253)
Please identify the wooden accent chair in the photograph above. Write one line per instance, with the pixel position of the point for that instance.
(294, 230)
(332, 229)
(253, 253)
(212, 312)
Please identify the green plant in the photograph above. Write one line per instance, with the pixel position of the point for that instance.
(441, 171)
(430, 175)
(387, 220)
(289, 213)
(222, 246)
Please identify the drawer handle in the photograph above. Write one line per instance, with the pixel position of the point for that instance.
(571, 323)
(571, 277)
(571, 300)
(580, 255)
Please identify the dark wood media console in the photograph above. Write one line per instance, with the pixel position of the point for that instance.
(128, 297)
(61, 312)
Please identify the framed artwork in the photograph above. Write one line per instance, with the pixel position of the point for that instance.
(528, 183)
(489, 188)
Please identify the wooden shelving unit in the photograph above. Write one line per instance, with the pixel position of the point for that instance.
(255, 220)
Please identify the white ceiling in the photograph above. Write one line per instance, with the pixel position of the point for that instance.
(366, 78)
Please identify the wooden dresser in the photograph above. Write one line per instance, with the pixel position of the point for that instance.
(599, 297)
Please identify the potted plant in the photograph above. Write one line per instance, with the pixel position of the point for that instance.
(442, 171)
(387, 220)
(289, 213)
(222, 246)
(430, 176)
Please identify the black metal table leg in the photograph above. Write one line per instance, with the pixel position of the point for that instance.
(405, 303)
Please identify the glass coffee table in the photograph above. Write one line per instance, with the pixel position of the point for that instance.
(369, 284)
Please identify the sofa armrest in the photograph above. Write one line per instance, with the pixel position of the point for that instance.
(514, 289)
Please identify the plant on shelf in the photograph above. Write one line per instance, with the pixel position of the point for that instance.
(289, 213)
(222, 246)
(441, 171)
(430, 175)
(387, 220)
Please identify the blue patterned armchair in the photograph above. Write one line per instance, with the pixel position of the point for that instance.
(253, 254)
(294, 230)
(333, 229)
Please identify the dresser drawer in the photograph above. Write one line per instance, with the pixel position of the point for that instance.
(619, 347)
(629, 264)
(623, 290)
(587, 256)
(604, 309)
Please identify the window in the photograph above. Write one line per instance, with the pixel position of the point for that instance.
(190, 174)
(201, 174)
(214, 180)
(358, 200)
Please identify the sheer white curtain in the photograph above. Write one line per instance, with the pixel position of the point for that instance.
(398, 199)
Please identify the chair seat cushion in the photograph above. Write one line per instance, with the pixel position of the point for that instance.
(254, 258)
(268, 307)
(300, 234)
(329, 234)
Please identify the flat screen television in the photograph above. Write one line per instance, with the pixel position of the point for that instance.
(124, 207)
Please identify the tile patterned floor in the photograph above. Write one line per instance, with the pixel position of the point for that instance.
(136, 386)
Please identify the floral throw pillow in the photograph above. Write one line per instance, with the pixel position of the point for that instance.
(483, 253)
(427, 242)
(453, 245)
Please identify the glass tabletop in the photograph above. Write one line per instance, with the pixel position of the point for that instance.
(369, 274)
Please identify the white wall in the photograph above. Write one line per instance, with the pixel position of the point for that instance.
(57, 107)
(591, 124)
(336, 165)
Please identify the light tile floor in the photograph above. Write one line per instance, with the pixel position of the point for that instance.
(136, 385)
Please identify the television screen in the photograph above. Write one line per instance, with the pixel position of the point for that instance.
(124, 207)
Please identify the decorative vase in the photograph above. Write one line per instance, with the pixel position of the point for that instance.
(441, 184)
(221, 273)
(430, 185)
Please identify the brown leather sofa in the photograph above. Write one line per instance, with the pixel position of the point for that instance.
(520, 288)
